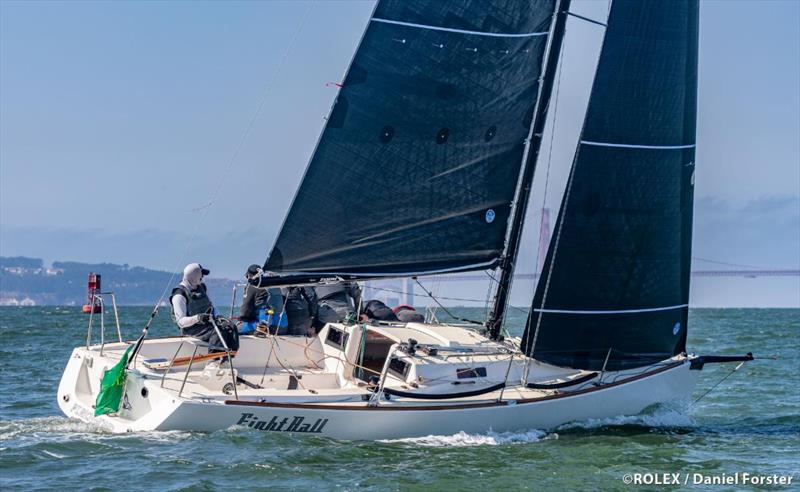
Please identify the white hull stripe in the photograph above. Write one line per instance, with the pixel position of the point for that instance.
(628, 146)
(624, 311)
(460, 31)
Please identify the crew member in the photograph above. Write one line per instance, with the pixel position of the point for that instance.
(194, 313)
(257, 303)
(301, 308)
(337, 302)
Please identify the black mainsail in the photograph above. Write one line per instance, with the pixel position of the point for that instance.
(419, 161)
(616, 277)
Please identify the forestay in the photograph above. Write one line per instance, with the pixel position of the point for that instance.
(419, 160)
(616, 277)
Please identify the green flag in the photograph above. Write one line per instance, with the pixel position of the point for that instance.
(110, 395)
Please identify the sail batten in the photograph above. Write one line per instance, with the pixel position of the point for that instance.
(461, 31)
(615, 287)
(611, 311)
(418, 163)
(637, 146)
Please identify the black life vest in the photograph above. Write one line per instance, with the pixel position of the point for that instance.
(197, 300)
(256, 299)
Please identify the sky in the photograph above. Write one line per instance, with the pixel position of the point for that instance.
(158, 133)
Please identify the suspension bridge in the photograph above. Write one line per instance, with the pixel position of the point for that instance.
(695, 273)
(397, 291)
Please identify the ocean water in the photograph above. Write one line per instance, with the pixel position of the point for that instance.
(749, 423)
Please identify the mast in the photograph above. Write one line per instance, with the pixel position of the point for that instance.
(508, 262)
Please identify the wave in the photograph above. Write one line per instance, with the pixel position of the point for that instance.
(661, 418)
(62, 429)
(462, 438)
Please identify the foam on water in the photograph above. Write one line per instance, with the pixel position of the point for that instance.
(662, 417)
(63, 429)
(11, 429)
(487, 439)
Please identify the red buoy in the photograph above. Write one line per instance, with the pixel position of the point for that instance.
(93, 287)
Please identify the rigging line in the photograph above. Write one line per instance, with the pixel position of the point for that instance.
(394, 291)
(489, 290)
(274, 344)
(553, 258)
(205, 208)
(726, 263)
(283, 311)
(549, 158)
(562, 215)
(720, 382)
(237, 150)
(257, 112)
(521, 310)
(489, 294)
(423, 295)
(324, 355)
(492, 277)
(430, 294)
(527, 170)
(586, 19)
(434, 290)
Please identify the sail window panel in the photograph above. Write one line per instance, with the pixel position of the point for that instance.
(405, 183)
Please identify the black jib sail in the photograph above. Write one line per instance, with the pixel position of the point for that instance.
(419, 161)
(615, 284)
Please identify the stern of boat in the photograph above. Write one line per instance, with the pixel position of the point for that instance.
(144, 405)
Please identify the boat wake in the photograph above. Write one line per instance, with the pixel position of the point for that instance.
(661, 418)
(488, 439)
(62, 429)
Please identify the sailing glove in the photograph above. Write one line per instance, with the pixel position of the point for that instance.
(204, 318)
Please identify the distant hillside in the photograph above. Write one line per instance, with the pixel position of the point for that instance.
(26, 281)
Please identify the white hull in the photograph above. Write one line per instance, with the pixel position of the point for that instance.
(388, 423)
(341, 413)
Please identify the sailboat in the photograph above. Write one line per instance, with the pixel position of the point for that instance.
(425, 167)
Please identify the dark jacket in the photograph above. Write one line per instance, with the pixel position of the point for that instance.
(336, 302)
(301, 304)
(255, 299)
